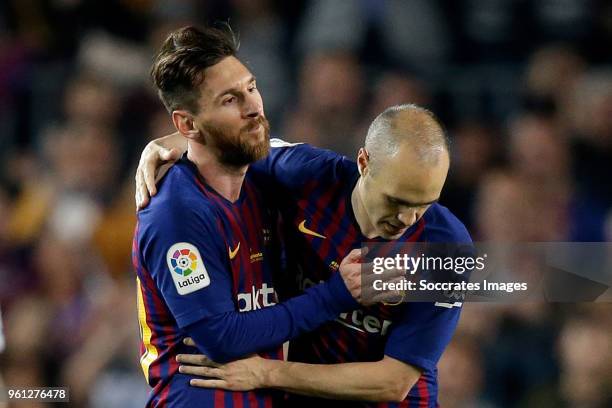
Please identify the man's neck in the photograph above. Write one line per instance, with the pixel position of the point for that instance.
(225, 180)
(366, 227)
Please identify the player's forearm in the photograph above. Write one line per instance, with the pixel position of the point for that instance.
(365, 381)
(232, 335)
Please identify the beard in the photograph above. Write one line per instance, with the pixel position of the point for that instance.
(239, 151)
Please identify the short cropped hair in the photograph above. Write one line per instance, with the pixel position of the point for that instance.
(178, 67)
(406, 123)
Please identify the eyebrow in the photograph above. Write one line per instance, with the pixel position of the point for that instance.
(234, 89)
(408, 203)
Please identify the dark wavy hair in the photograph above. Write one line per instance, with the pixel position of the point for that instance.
(178, 67)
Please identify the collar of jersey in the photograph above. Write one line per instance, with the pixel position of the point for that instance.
(194, 169)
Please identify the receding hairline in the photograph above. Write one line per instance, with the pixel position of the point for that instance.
(409, 126)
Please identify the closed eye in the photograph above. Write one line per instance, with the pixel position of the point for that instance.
(398, 202)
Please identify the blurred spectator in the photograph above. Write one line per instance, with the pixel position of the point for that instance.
(585, 376)
(590, 113)
(26, 323)
(262, 37)
(409, 33)
(473, 153)
(462, 375)
(396, 88)
(329, 105)
(76, 200)
(551, 71)
(160, 125)
(487, 30)
(117, 60)
(15, 273)
(91, 100)
(14, 64)
(540, 160)
(499, 207)
(529, 200)
(563, 20)
(100, 370)
(520, 359)
(70, 195)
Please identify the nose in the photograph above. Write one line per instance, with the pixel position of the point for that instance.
(252, 113)
(407, 217)
(252, 107)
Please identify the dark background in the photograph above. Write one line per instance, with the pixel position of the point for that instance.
(524, 88)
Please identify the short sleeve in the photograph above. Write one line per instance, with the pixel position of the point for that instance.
(424, 329)
(422, 333)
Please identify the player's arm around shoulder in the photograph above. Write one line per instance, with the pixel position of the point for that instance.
(291, 165)
(154, 161)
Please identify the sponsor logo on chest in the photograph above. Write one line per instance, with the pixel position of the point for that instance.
(257, 298)
(366, 323)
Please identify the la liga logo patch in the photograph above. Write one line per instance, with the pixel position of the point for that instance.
(184, 261)
(187, 268)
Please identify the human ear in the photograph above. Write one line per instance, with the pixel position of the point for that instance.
(184, 123)
(363, 161)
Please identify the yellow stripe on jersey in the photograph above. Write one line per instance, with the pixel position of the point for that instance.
(150, 353)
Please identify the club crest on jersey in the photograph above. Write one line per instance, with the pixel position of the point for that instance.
(187, 268)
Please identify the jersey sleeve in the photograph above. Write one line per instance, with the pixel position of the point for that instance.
(291, 165)
(183, 250)
(422, 333)
(424, 329)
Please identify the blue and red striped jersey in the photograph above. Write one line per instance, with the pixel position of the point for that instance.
(197, 255)
(312, 188)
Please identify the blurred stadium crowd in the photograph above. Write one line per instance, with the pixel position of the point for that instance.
(523, 86)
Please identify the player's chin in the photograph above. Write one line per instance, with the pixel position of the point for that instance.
(389, 231)
(258, 150)
(255, 137)
(391, 237)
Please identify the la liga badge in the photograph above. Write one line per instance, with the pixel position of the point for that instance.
(187, 268)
